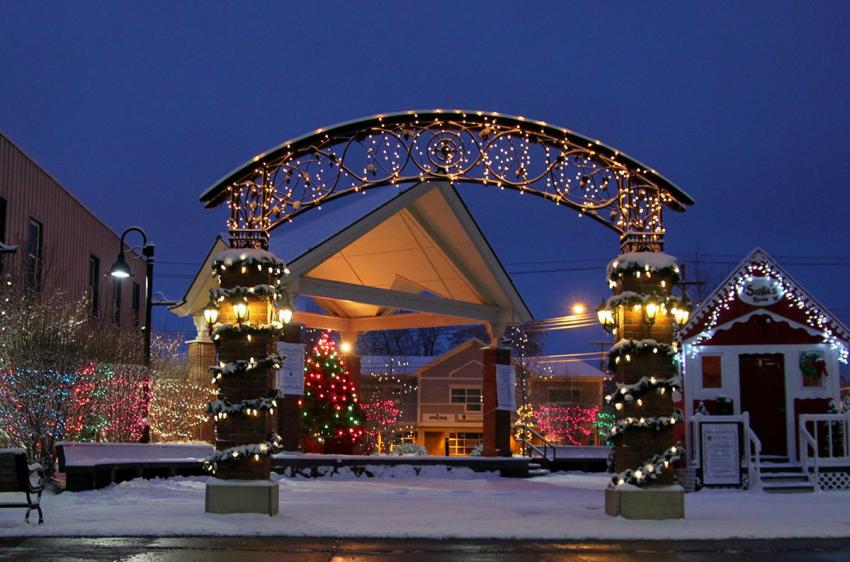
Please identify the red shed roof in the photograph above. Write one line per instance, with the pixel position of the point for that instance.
(759, 286)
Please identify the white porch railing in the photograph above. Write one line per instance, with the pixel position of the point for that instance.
(752, 445)
(824, 441)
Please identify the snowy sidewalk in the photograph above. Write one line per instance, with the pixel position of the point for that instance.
(560, 506)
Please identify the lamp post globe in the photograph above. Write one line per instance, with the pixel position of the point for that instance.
(120, 269)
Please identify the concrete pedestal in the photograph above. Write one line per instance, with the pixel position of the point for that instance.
(242, 496)
(631, 502)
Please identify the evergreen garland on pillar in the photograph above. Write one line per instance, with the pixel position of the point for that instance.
(249, 361)
(645, 368)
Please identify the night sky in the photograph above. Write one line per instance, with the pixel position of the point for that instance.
(139, 107)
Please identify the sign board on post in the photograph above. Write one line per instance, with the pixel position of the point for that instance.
(505, 387)
(720, 444)
(289, 379)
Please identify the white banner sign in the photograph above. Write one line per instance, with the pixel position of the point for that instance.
(289, 378)
(506, 387)
(721, 460)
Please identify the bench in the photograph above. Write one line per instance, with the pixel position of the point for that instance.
(17, 475)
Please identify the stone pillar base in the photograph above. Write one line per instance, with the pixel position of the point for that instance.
(242, 496)
(661, 502)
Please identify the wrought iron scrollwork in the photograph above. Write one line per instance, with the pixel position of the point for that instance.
(456, 146)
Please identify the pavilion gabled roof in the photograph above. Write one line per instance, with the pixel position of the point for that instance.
(421, 242)
(408, 258)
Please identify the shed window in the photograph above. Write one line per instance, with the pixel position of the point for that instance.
(711, 372)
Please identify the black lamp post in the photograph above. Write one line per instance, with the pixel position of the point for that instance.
(121, 270)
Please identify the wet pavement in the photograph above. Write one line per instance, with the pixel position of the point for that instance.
(245, 549)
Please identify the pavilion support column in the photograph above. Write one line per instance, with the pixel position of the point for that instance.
(289, 414)
(201, 354)
(497, 423)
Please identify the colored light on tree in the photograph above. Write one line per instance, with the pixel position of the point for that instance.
(330, 408)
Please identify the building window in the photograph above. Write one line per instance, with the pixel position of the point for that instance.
(2, 221)
(35, 250)
(94, 286)
(137, 299)
(2, 228)
(469, 397)
(711, 375)
(116, 302)
(565, 395)
(462, 444)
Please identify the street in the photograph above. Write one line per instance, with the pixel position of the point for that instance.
(414, 550)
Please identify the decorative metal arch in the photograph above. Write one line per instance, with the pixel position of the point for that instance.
(491, 149)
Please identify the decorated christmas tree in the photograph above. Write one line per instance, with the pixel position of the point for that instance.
(331, 418)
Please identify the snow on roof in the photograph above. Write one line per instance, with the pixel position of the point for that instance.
(393, 364)
(549, 367)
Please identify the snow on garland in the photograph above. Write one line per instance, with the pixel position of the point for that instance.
(246, 328)
(629, 393)
(643, 263)
(272, 360)
(657, 423)
(625, 349)
(272, 445)
(221, 409)
(245, 258)
(649, 470)
(631, 298)
(259, 291)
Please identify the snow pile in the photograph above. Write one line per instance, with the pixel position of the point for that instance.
(561, 506)
(88, 454)
(398, 472)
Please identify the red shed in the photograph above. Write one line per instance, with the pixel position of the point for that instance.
(762, 344)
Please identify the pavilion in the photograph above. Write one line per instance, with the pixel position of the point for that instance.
(406, 258)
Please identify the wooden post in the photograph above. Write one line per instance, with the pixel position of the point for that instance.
(289, 415)
(497, 423)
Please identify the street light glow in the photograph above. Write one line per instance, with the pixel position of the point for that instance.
(579, 308)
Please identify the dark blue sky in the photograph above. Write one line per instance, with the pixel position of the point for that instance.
(138, 107)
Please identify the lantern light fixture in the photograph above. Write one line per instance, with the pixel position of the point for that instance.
(240, 310)
(211, 313)
(650, 310)
(605, 316)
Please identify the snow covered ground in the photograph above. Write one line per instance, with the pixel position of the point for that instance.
(456, 504)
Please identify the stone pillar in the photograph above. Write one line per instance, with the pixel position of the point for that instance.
(643, 350)
(289, 414)
(497, 423)
(244, 437)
